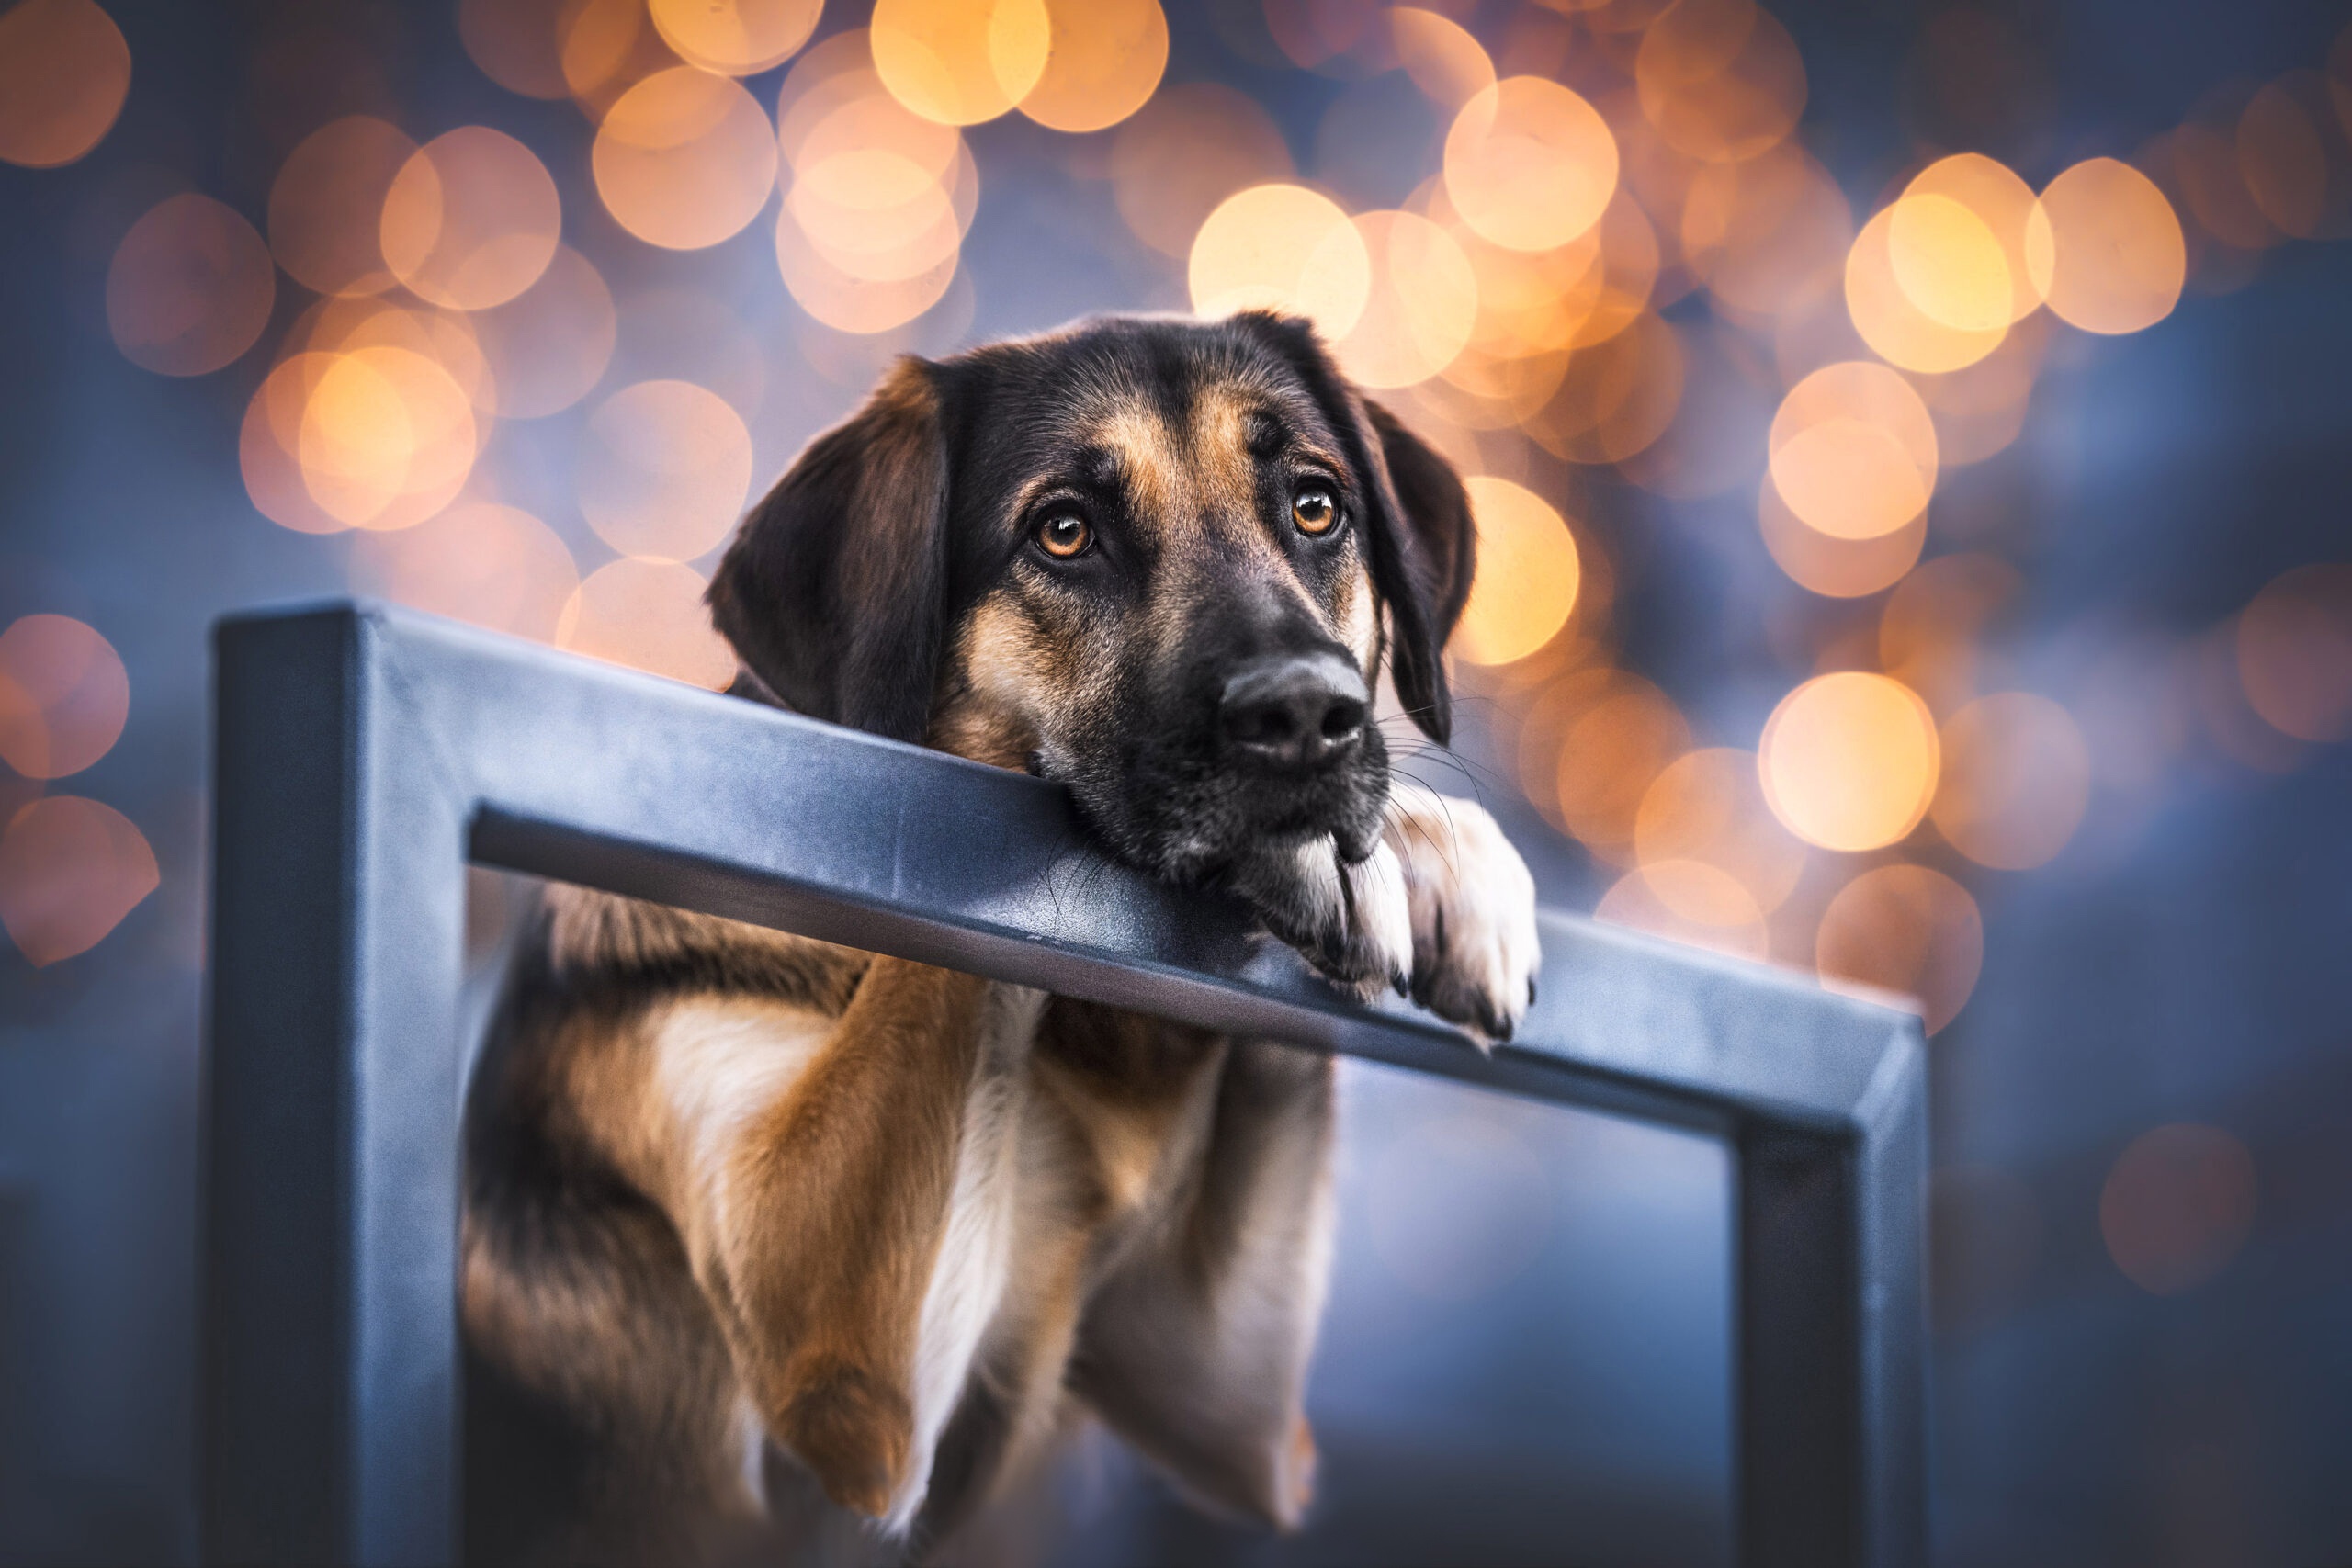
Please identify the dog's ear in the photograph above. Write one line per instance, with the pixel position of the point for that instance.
(834, 592)
(1421, 541)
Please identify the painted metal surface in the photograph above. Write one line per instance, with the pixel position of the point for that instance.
(365, 755)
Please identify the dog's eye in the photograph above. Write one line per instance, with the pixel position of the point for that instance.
(1064, 535)
(1314, 510)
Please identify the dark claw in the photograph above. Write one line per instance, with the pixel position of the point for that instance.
(1402, 984)
(1531, 993)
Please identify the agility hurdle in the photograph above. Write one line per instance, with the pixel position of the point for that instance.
(363, 756)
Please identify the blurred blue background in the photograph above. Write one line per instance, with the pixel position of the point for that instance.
(2143, 1115)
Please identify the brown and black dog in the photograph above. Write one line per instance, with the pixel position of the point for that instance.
(777, 1249)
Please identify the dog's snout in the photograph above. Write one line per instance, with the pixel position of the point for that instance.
(1293, 712)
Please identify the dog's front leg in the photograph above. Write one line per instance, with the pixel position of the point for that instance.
(1473, 908)
(851, 1232)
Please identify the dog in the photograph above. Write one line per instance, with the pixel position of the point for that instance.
(777, 1250)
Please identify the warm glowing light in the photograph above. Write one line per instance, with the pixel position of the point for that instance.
(606, 47)
(1768, 233)
(1931, 624)
(1616, 397)
(546, 347)
(1609, 753)
(189, 289)
(516, 43)
(1529, 164)
(1949, 263)
(472, 220)
(2105, 248)
(961, 62)
(664, 470)
(1944, 265)
(1443, 59)
(1903, 929)
(1423, 302)
(65, 72)
(267, 443)
(2015, 781)
(63, 696)
(1897, 329)
(735, 38)
(649, 615)
(1691, 902)
(1282, 247)
(1836, 569)
(494, 566)
(2176, 1206)
(881, 194)
(1187, 150)
(339, 323)
(1848, 761)
(1980, 410)
(685, 159)
(2283, 160)
(1721, 80)
(1708, 808)
(846, 302)
(2294, 652)
(386, 437)
(70, 870)
(1853, 451)
(1528, 573)
(326, 207)
(1107, 57)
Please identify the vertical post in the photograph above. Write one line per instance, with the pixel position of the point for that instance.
(1830, 1394)
(330, 1343)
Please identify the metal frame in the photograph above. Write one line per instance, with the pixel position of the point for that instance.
(365, 755)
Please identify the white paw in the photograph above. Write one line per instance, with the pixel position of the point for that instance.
(1354, 922)
(1473, 902)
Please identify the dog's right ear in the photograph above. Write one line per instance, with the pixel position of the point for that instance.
(834, 592)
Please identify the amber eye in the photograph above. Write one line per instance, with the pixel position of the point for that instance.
(1064, 535)
(1314, 510)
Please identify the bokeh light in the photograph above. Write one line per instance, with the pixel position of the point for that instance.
(1768, 233)
(326, 205)
(1444, 60)
(517, 43)
(190, 288)
(65, 72)
(1104, 59)
(494, 566)
(547, 348)
(685, 159)
(1421, 306)
(1187, 150)
(63, 696)
(1708, 808)
(606, 47)
(1688, 901)
(1931, 625)
(2176, 1206)
(1848, 761)
(1615, 397)
(70, 870)
(664, 471)
(472, 220)
(1527, 577)
(1853, 451)
(1896, 329)
(2105, 248)
(649, 615)
(2294, 652)
(1906, 929)
(2016, 779)
(735, 38)
(384, 436)
(961, 62)
(1528, 164)
(1721, 80)
(2283, 160)
(1834, 568)
(1282, 247)
(1622, 733)
(1957, 242)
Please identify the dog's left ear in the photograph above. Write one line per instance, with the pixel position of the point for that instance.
(1420, 540)
(834, 592)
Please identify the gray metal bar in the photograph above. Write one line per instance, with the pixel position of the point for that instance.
(364, 754)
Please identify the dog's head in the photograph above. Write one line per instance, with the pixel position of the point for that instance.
(1160, 561)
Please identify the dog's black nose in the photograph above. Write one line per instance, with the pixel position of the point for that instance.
(1294, 712)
